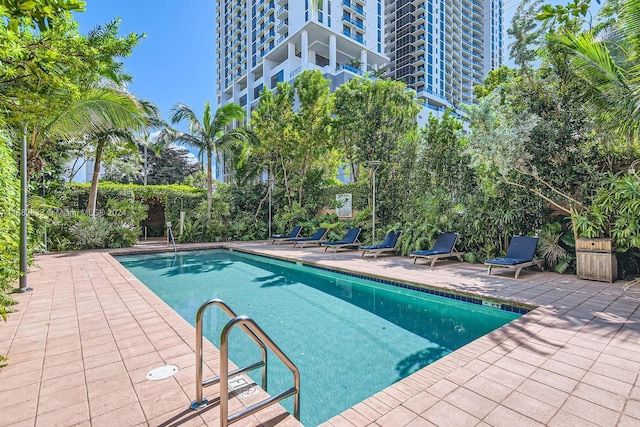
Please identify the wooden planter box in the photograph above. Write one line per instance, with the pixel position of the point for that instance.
(596, 260)
(598, 245)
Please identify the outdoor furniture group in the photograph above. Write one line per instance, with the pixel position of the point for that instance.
(520, 253)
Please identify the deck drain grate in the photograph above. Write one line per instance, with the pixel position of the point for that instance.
(162, 372)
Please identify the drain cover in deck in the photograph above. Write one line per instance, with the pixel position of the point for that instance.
(162, 372)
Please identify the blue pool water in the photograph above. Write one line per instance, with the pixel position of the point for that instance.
(350, 337)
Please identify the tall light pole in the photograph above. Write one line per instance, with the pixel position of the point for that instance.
(373, 165)
(270, 182)
(24, 218)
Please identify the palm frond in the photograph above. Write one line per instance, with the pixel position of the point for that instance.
(97, 110)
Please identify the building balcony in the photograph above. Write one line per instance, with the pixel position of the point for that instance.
(419, 51)
(353, 22)
(419, 40)
(283, 11)
(353, 7)
(283, 26)
(354, 36)
(282, 38)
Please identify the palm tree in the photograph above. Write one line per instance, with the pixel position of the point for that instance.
(139, 115)
(605, 63)
(209, 135)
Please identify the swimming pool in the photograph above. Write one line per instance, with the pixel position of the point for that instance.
(350, 337)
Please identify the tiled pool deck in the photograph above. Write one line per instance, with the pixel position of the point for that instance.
(82, 342)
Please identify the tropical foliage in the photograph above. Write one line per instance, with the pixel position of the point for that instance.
(548, 149)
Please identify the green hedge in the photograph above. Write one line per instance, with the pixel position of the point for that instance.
(172, 197)
(9, 223)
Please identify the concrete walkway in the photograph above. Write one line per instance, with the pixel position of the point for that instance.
(81, 344)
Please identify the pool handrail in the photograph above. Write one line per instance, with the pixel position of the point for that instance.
(249, 323)
(200, 403)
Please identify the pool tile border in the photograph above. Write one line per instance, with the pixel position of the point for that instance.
(486, 302)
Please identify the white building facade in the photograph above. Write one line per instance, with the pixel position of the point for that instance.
(439, 48)
(263, 42)
(443, 48)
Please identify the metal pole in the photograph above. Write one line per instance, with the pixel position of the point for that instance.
(146, 171)
(23, 214)
(269, 182)
(373, 217)
(374, 164)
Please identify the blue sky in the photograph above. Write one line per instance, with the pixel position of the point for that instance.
(176, 61)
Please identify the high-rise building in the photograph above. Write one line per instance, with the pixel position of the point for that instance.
(442, 48)
(263, 42)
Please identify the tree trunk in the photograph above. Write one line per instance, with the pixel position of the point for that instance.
(209, 184)
(93, 193)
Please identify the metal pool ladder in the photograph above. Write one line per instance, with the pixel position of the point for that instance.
(253, 331)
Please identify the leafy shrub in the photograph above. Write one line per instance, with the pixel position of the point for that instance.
(9, 224)
(90, 233)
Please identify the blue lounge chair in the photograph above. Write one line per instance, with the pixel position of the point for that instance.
(316, 239)
(387, 245)
(445, 247)
(350, 240)
(281, 238)
(519, 255)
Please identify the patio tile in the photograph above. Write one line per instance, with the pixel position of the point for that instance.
(564, 369)
(367, 411)
(470, 402)
(599, 396)
(105, 371)
(614, 372)
(27, 393)
(627, 421)
(543, 392)
(503, 376)
(18, 413)
(607, 383)
(505, 417)
(355, 418)
(442, 388)
(419, 403)
(565, 419)
(445, 414)
(488, 388)
(399, 416)
(632, 409)
(530, 407)
(109, 402)
(69, 415)
(594, 413)
(554, 380)
(129, 415)
(55, 385)
(577, 356)
(62, 399)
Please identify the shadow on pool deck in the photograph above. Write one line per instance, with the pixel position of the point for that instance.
(80, 345)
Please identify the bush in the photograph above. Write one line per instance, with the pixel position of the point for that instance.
(9, 224)
(90, 233)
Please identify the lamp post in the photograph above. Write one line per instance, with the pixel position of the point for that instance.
(374, 164)
(270, 182)
(23, 213)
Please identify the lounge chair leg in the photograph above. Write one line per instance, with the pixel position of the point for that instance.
(363, 252)
(518, 270)
(415, 258)
(489, 270)
(433, 262)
